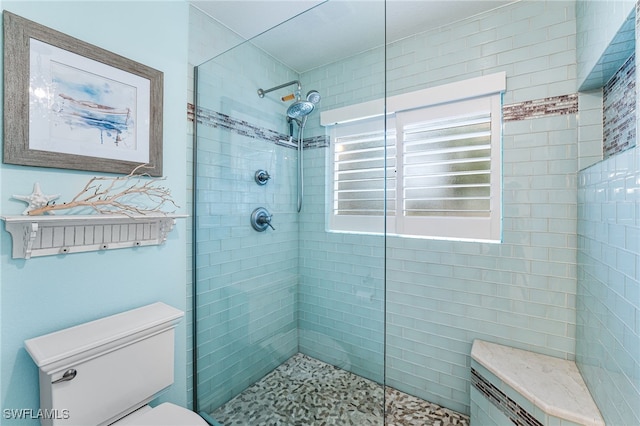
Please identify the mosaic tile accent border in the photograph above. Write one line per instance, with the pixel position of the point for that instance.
(215, 119)
(508, 406)
(556, 105)
(316, 142)
(619, 110)
(191, 112)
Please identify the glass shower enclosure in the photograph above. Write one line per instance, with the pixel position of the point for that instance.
(289, 316)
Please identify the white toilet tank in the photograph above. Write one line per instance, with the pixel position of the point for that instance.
(97, 372)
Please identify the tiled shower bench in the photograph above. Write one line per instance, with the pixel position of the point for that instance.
(512, 386)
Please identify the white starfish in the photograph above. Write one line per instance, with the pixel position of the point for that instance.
(36, 199)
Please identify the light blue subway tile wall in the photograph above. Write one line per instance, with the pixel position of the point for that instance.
(533, 42)
(341, 288)
(352, 80)
(189, 238)
(590, 130)
(608, 321)
(601, 47)
(484, 413)
(208, 38)
(443, 294)
(246, 280)
(202, 29)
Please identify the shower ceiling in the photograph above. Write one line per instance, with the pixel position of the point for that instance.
(334, 29)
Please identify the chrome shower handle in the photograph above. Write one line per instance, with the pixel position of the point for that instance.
(266, 220)
(261, 219)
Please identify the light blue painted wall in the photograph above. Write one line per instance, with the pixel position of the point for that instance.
(45, 294)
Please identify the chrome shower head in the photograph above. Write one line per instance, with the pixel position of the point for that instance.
(300, 109)
(313, 96)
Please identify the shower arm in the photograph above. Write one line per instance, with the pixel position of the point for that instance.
(261, 92)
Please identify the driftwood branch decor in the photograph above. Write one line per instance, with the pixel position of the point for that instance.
(133, 194)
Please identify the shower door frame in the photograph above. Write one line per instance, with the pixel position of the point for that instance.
(194, 235)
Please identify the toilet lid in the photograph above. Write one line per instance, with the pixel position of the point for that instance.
(168, 414)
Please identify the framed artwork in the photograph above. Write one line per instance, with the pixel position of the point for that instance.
(71, 105)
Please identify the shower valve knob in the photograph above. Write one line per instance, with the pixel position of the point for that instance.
(261, 219)
(264, 220)
(262, 177)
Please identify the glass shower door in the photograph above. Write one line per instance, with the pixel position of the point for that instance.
(289, 316)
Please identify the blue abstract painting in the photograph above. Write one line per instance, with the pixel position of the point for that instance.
(82, 106)
(92, 108)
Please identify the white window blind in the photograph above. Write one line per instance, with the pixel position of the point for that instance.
(449, 170)
(437, 172)
(447, 167)
(362, 160)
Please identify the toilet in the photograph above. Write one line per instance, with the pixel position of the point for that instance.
(105, 372)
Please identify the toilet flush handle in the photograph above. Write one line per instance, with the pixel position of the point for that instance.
(68, 375)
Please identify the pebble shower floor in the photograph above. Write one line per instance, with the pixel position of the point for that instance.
(306, 392)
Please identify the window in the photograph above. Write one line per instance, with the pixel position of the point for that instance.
(362, 159)
(448, 174)
(440, 165)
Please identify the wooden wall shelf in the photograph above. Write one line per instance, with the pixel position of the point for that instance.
(35, 236)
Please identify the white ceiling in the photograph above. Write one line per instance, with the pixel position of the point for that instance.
(311, 33)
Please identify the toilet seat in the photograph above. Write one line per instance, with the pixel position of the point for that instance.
(165, 414)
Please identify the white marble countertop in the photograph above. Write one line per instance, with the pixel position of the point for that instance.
(552, 384)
